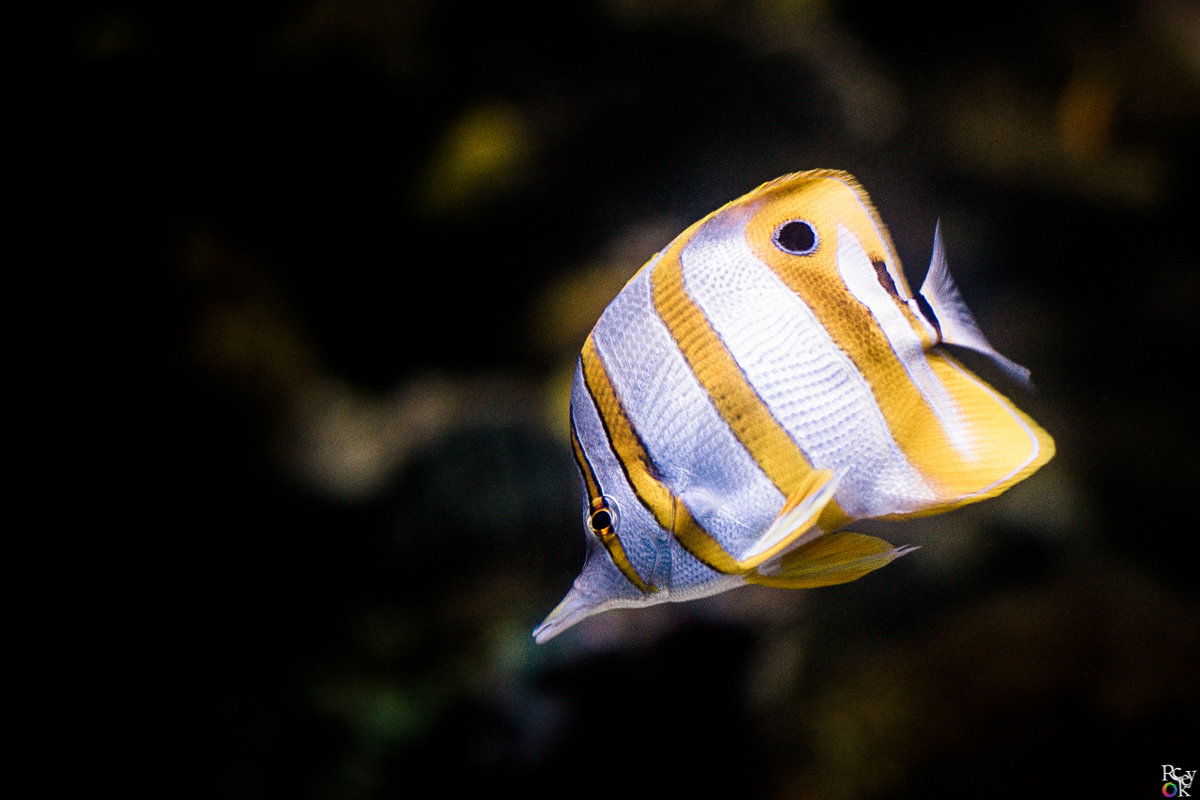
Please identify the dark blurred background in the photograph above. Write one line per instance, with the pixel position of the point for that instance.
(309, 279)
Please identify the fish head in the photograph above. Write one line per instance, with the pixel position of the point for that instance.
(627, 561)
(599, 587)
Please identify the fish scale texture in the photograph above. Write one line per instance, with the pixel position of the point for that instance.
(686, 438)
(806, 381)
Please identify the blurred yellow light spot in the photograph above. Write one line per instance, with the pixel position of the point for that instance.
(481, 154)
(1085, 116)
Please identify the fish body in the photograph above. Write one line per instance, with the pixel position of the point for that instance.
(762, 382)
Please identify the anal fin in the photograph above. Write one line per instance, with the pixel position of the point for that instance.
(834, 558)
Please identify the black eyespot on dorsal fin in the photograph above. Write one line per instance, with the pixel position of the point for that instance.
(796, 237)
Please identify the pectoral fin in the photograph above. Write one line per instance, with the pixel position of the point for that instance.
(796, 518)
(834, 558)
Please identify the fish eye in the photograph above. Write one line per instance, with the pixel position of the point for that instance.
(796, 237)
(603, 519)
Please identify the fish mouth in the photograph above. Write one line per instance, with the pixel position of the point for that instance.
(570, 610)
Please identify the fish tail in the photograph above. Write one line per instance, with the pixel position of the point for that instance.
(835, 558)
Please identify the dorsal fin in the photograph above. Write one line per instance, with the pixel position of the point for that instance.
(953, 319)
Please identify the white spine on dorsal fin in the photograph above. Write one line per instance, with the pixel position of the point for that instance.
(954, 319)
